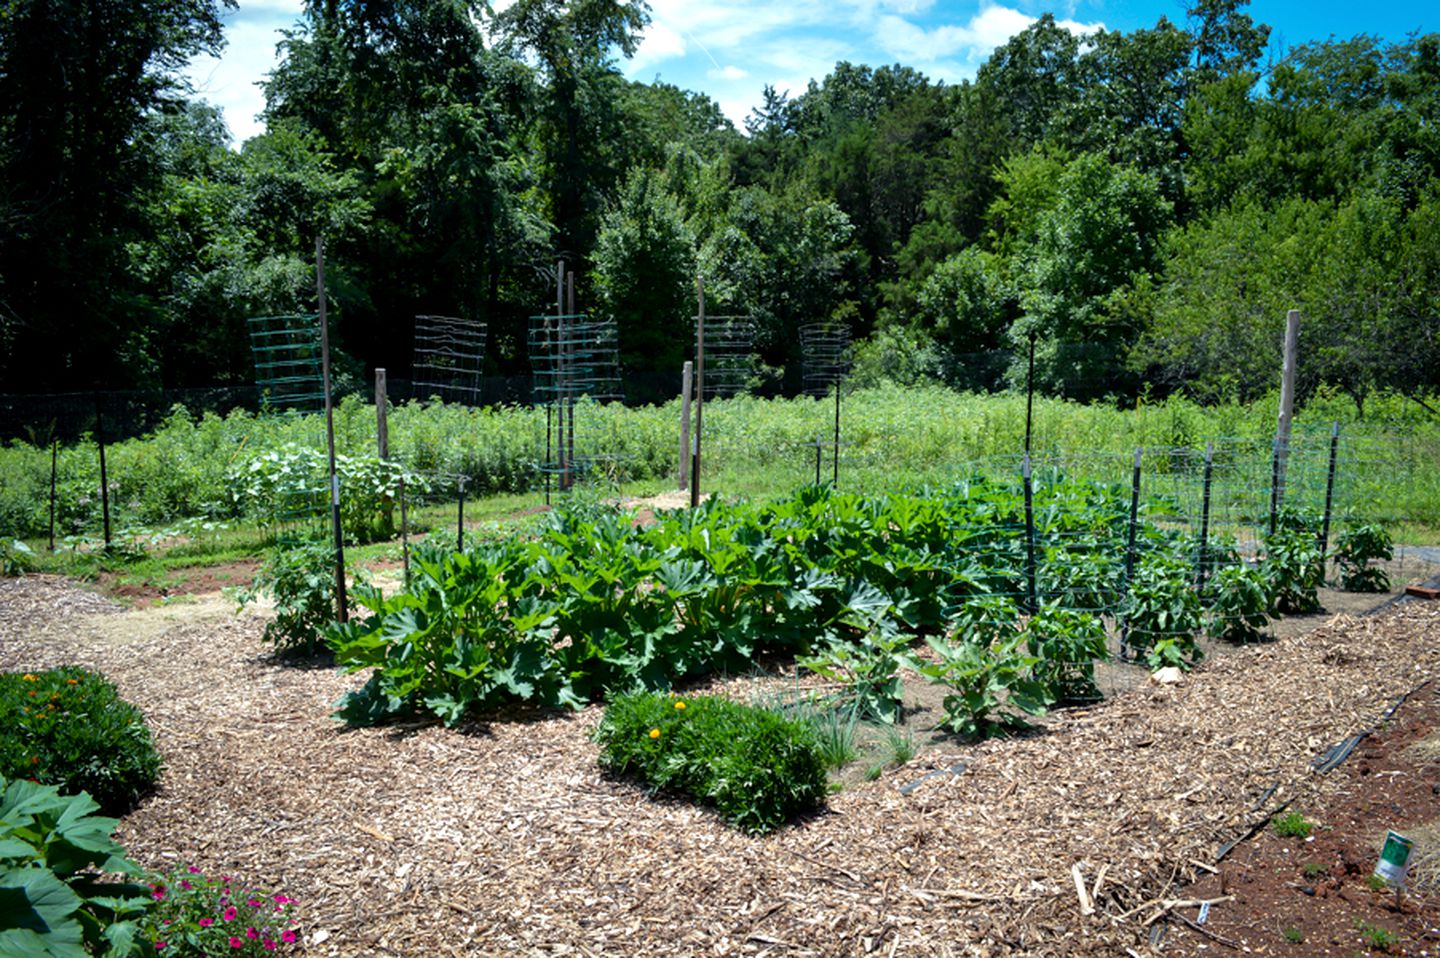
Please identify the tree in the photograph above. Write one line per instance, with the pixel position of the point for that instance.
(77, 78)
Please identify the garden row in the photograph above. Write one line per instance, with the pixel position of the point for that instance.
(210, 467)
(593, 604)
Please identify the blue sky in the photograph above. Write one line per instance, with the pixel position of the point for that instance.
(732, 50)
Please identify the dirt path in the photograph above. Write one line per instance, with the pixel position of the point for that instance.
(503, 836)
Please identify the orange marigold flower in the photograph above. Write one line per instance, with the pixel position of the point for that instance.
(72, 681)
(654, 733)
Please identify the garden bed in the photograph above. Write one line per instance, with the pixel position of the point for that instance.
(503, 836)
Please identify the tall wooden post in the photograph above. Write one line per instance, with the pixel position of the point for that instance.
(686, 375)
(1287, 404)
(382, 411)
(699, 389)
(342, 612)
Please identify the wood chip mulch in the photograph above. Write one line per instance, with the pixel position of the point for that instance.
(505, 838)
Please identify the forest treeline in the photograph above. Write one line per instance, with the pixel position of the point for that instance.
(1144, 205)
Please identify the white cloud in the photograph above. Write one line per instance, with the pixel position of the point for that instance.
(660, 43)
(230, 82)
(971, 43)
(727, 73)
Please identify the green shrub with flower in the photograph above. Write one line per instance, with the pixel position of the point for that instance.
(70, 728)
(756, 768)
(192, 913)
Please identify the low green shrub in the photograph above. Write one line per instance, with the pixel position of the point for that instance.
(757, 769)
(195, 914)
(1355, 549)
(54, 851)
(1066, 644)
(16, 558)
(990, 681)
(68, 727)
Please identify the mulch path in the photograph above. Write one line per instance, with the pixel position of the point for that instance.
(503, 837)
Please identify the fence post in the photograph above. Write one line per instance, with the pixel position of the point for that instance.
(1205, 519)
(404, 535)
(817, 459)
(1329, 490)
(460, 514)
(1287, 408)
(382, 424)
(699, 388)
(1029, 391)
(687, 373)
(104, 476)
(340, 601)
(54, 469)
(1031, 592)
(1274, 485)
(835, 458)
(1134, 514)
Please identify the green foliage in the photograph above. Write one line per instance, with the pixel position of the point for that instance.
(867, 669)
(193, 914)
(68, 727)
(1376, 936)
(1161, 612)
(279, 485)
(1293, 935)
(300, 577)
(991, 680)
(1066, 644)
(757, 769)
(1293, 566)
(54, 852)
(1292, 825)
(1355, 548)
(16, 558)
(1240, 603)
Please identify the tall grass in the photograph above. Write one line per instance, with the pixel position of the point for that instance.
(889, 437)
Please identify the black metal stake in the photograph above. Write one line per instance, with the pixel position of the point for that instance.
(341, 604)
(817, 459)
(460, 516)
(549, 415)
(1134, 514)
(1329, 490)
(699, 389)
(1029, 392)
(836, 455)
(1205, 519)
(1033, 605)
(1274, 485)
(54, 472)
(104, 476)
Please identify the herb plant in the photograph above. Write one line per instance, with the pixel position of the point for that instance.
(757, 769)
(68, 727)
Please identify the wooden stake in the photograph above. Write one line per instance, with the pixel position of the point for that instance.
(382, 425)
(1287, 402)
(699, 389)
(686, 376)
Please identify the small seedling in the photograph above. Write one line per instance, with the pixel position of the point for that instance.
(1376, 883)
(1293, 935)
(1376, 936)
(1292, 825)
(1314, 869)
(873, 772)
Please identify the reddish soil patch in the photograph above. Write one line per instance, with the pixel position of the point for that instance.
(1315, 896)
(197, 580)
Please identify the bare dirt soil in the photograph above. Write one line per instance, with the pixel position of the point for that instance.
(503, 837)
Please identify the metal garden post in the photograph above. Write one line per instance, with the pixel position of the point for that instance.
(1205, 518)
(699, 389)
(335, 527)
(54, 471)
(1033, 604)
(104, 476)
(1329, 490)
(460, 514)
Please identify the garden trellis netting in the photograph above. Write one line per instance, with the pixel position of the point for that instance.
(448, 359)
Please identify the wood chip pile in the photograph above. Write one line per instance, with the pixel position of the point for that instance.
(505, 838)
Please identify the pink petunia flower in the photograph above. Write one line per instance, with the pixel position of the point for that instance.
(158, 894)
(230, 914)
(288, 937)
(236, 942)
(206, 922)
(186, 885)
(160, 944)
(282, 900)
(193, 870)
(269, 944)
(251, 933)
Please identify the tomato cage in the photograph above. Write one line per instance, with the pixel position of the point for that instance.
(575, 367)
(448, 358)
(825, 360)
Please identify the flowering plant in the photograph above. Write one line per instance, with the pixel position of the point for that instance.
(193, 914)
